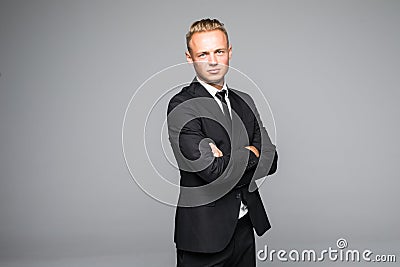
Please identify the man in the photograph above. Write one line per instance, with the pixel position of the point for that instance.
(221, 147)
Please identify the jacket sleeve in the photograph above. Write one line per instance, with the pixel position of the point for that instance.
(267, 163)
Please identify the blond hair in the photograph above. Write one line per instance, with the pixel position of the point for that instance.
(205, 25)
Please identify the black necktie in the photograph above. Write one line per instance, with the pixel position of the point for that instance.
(221, 97)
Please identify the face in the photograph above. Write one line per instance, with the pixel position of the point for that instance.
(210, 55)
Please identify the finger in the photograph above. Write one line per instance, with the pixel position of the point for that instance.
(213, 147)
(214, 150)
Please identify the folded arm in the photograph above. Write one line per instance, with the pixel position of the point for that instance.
(193, 152)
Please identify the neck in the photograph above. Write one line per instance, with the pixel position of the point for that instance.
(216, 85)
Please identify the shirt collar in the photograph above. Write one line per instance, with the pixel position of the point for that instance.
(211, 89)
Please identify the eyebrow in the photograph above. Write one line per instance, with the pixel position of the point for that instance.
(207, 52)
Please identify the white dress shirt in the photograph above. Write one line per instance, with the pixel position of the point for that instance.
(213, 91)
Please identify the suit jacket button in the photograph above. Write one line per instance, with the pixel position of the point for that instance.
(238, 195)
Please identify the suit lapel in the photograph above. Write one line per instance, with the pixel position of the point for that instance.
(197, 90)
(236, 103)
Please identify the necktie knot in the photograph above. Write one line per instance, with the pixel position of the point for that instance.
(225, 110)
(221, 96)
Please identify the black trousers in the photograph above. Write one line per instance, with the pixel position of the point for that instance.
(240, 252)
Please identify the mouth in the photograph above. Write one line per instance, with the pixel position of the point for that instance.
(213, 71)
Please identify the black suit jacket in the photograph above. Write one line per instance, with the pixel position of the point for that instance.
(201, 225)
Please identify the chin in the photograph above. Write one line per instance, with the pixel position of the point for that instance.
(214, 79)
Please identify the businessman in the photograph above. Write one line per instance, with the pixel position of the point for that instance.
(221, 147)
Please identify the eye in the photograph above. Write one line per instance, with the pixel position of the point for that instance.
(220, 52)
(202, 55)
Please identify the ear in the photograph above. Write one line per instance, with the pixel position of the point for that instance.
(188, 57)
(230, 52)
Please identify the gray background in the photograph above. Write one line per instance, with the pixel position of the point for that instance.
(330, 70)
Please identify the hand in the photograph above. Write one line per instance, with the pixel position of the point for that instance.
(215, 150)
(254, 150)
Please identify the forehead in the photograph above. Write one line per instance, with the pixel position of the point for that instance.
(208, 40)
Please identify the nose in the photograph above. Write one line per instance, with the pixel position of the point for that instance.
(212, 60)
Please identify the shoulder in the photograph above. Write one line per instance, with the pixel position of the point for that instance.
(179, 98)
(239, 93)
(242, 96)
